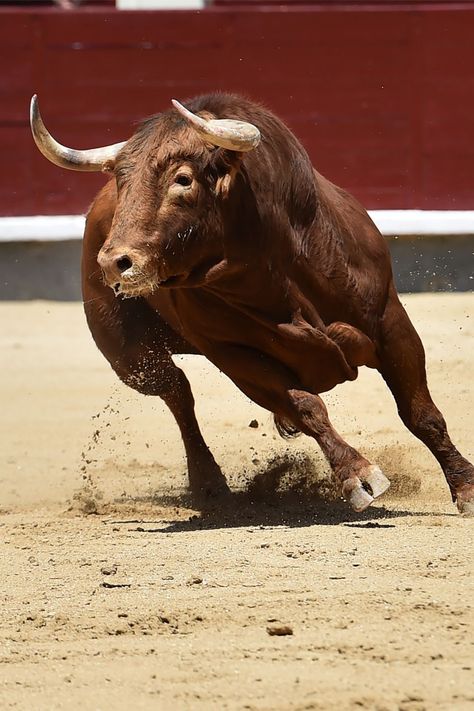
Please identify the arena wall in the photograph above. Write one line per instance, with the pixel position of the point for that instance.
(381, 95)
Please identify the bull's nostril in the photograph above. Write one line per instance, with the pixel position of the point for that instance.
(123, 263)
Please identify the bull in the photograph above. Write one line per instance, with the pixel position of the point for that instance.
(216, 236)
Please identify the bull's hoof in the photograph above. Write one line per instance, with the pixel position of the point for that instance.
(360, 499)
(216, 490)
(355, 494)
(207, 483)
(376, 481)
(361, 491)
(465, 500)
(208, 497)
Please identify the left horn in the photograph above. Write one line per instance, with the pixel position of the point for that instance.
(91, 160)
(227, 133)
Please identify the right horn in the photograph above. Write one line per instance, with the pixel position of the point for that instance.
(227, 133)
(91, 160)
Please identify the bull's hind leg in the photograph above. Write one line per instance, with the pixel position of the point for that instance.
(402, 365)
(138, 344)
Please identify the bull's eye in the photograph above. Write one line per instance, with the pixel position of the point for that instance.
(183, 179)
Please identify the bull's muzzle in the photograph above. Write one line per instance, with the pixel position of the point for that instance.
(124, 273)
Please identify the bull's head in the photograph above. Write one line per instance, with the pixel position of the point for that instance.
(172, 177)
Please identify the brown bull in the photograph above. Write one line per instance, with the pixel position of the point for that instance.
(216, 236)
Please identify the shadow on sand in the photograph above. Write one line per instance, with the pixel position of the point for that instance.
(306, 498)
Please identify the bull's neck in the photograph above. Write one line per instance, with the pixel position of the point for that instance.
(250, 286)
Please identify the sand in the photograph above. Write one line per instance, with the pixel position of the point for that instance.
(117, 594)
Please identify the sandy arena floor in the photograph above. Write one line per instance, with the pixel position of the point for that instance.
(116, 594)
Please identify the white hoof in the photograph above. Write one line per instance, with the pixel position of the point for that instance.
(357, 496)
(376, 479)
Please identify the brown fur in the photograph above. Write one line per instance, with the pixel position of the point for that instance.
(261, 264)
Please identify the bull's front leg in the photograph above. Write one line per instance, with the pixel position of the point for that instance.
(138, 344)
(360, 481)
(274, 387)
(161, 377)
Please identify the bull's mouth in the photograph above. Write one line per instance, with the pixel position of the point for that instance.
(129, 290)
(198, 276)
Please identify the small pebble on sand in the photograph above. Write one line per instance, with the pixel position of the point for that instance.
(278, 630)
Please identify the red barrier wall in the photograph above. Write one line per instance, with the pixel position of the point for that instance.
(382, 97)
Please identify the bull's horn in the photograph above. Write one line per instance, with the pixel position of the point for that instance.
(227, 133)
(93, 159)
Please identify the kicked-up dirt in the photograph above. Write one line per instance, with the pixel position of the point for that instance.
(117, 594)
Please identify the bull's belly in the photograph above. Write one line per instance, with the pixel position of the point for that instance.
(316, 364)
(219, 331)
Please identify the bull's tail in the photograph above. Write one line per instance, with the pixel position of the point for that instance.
(286, 429)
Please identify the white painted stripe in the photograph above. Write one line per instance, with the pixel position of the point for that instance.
(424, 222)
(159, 4)
(390, 222)
(42, 228)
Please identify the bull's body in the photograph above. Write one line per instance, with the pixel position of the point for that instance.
(262, 265)
(259, 310)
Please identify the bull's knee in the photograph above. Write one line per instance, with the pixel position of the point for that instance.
(358, 349)
(306, 411)
(158, 379)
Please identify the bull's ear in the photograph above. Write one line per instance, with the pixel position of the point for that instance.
(225, 181)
